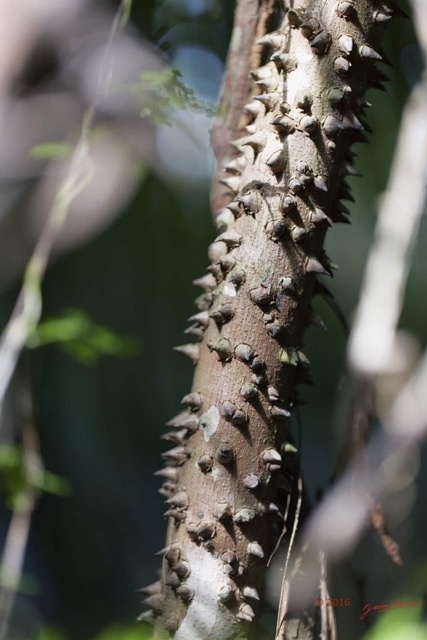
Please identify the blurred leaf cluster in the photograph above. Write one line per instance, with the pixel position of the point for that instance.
(164, 92)
(76, 333)
(16, 475)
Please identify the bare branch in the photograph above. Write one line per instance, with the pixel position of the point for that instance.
(372, 345)
(13, 554)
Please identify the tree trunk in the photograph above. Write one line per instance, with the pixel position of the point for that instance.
(231, 467)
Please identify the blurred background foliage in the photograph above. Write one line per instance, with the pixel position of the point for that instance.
(104, 377)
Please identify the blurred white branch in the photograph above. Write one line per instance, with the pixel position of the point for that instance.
(27, 311)
(372, 344)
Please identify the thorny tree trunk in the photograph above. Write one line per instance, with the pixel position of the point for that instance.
(231, 465)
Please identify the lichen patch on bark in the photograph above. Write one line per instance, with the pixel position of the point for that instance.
(204, 618)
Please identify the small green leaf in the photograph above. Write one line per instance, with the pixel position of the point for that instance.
(50, 150)
(10, 457)
(16, 477)
(11, 472)
(50, 483)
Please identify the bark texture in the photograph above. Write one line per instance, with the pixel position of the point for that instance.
(230, 468)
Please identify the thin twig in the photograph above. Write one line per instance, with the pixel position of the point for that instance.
(323, 596)
(379, 525)
(295, 527)
(283, 532)
(284, 594)
(19, 528)
(332, 623)
(329, 626)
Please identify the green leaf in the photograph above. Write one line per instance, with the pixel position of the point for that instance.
(11, 472)
(10, 457)
(80, 337)
(15, 477)
(50, 483)
(50, 150)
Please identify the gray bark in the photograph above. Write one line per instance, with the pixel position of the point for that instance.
(231, 464)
